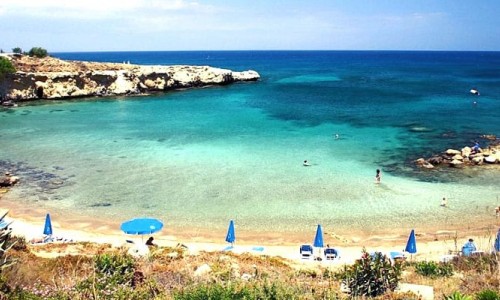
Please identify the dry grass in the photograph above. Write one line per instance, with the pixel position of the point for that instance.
(172, 269)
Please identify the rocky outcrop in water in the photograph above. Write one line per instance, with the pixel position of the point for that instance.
(467, 156)
(51, 78)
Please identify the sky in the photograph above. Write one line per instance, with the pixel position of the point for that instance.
(155, 25)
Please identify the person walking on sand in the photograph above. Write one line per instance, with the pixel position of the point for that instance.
(378, 176)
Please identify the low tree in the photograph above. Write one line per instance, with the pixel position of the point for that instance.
(6, 67)
(38, 52)
(17, 50)
(371, 276)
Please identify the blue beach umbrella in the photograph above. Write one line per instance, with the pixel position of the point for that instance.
(47, 228)
(231, 237)
(411, 245)
(141, 226)
(318, 240)
(497, 241)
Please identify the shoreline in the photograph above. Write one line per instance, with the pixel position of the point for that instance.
(28, 222)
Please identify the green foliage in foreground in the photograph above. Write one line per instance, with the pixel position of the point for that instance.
(433, 269)
(114, 274)
(251, 290)
(371, 275)
(488, 295)
(6, 67)
(457, 296)
(38, 52)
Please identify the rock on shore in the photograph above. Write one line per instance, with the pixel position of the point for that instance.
(52, 78)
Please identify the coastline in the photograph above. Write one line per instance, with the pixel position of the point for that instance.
(53, 78)
(431, 245)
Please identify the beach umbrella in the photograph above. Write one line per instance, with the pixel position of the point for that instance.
(47, 228)
(497, 241)
(141, 226)
(318, 239)
(230, 236)
(411, 245)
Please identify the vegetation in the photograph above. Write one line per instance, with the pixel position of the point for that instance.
(6, 67)
(17, 50)
(5, 261)
(433, 269)
(372, 275)
(104, 272)
(488, 295)
(38, 52)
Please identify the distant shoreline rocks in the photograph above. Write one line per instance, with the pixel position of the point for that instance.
(467, 156)
(52, 78)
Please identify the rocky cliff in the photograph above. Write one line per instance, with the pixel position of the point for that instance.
(51, 78)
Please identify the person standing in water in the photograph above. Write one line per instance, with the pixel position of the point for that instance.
(444, 202)
(378, 176)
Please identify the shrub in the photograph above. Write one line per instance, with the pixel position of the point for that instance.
(17, 50)
(457, 296)
(488, 295)
(262, 290)
(372, 275)
(433, 270)
(38, 52)
(6, 67)
(113, 273)
(5, 245)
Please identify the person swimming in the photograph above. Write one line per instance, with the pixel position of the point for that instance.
(306, 163)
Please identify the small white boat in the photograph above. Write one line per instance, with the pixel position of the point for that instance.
(474, 91)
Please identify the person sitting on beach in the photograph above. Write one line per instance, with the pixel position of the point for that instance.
(149, 242)
(468, 248)
(306, 163)
(476, 148)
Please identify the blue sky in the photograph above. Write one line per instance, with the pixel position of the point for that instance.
(108, 25)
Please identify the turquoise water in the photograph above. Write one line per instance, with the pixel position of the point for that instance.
(197, 158)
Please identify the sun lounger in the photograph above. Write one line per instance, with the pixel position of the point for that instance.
(396, 256)
(306, 251)
(50, 239)
(331, 254)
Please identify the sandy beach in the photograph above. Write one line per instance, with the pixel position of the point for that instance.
(432, 245)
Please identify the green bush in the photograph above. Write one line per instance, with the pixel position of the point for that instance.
(488, 295)
(433, 269)
(38, 52)
(6, 67)
(457, 296)
(372, 275)
(241, 290)
(17, 50)
(113, 274)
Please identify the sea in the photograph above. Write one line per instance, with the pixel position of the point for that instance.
(197, 158)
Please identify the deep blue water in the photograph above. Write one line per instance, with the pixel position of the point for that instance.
(400, 89)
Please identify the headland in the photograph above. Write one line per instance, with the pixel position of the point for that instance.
(52, 78)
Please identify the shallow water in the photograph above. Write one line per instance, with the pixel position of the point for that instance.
(197, 158)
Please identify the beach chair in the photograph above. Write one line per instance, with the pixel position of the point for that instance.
(306, 251)
(331, 254)
(396, 256)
